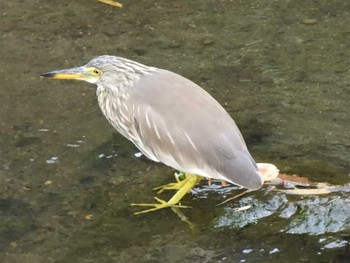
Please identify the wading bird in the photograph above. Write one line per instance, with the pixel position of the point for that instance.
(171, 120)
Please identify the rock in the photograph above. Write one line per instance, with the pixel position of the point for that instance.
(208, 41)
(309, 21)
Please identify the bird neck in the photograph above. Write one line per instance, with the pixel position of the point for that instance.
(114, 105)
(111, 96)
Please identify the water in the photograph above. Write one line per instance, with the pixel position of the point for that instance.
(280, 68)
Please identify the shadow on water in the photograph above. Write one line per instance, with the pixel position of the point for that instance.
(280, 68)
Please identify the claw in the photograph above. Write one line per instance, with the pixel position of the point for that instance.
(180, 179)
(183, 188)
(162, 204)
(171, 186)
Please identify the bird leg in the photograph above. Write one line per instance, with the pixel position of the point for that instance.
(180, 178)
(182, 187)
(223, 183)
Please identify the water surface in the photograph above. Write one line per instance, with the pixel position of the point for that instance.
(280, 68)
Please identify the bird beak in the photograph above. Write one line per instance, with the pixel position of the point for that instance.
(79, 73)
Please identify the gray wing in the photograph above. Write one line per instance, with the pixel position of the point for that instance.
(180, 124)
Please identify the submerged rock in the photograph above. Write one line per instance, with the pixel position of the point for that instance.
(303, 215)
(321, 215)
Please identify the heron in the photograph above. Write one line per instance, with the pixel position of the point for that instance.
(171, 120)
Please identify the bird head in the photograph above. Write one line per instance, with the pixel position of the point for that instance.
(86, 73)
(103, 70)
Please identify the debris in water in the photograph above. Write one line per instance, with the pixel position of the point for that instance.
(111, 2)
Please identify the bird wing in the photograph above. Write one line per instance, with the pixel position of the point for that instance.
(180, 124)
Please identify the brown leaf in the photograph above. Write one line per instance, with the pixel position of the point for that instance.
(303, 181)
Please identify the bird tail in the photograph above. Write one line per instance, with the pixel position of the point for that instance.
(243, 171)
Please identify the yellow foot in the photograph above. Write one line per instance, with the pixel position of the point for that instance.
(181, 181)
(162, 204)
(183, 188)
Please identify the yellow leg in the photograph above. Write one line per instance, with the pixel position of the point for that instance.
(180, 179)
(183, 188)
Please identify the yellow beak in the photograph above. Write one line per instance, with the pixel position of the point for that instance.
(73, 73)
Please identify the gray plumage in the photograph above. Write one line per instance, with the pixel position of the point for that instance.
(174, 121)
(169, 118)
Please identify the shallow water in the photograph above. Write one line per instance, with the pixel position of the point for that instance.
(280, 68)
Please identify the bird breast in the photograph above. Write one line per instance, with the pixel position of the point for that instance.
(114, 105)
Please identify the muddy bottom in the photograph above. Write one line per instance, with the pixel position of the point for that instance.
(279, 68)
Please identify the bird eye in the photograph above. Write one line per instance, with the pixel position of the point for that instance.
(97, 72)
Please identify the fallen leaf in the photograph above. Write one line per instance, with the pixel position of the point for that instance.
(297, 179)
(111, 2)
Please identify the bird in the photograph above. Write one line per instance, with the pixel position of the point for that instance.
(171, 120)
